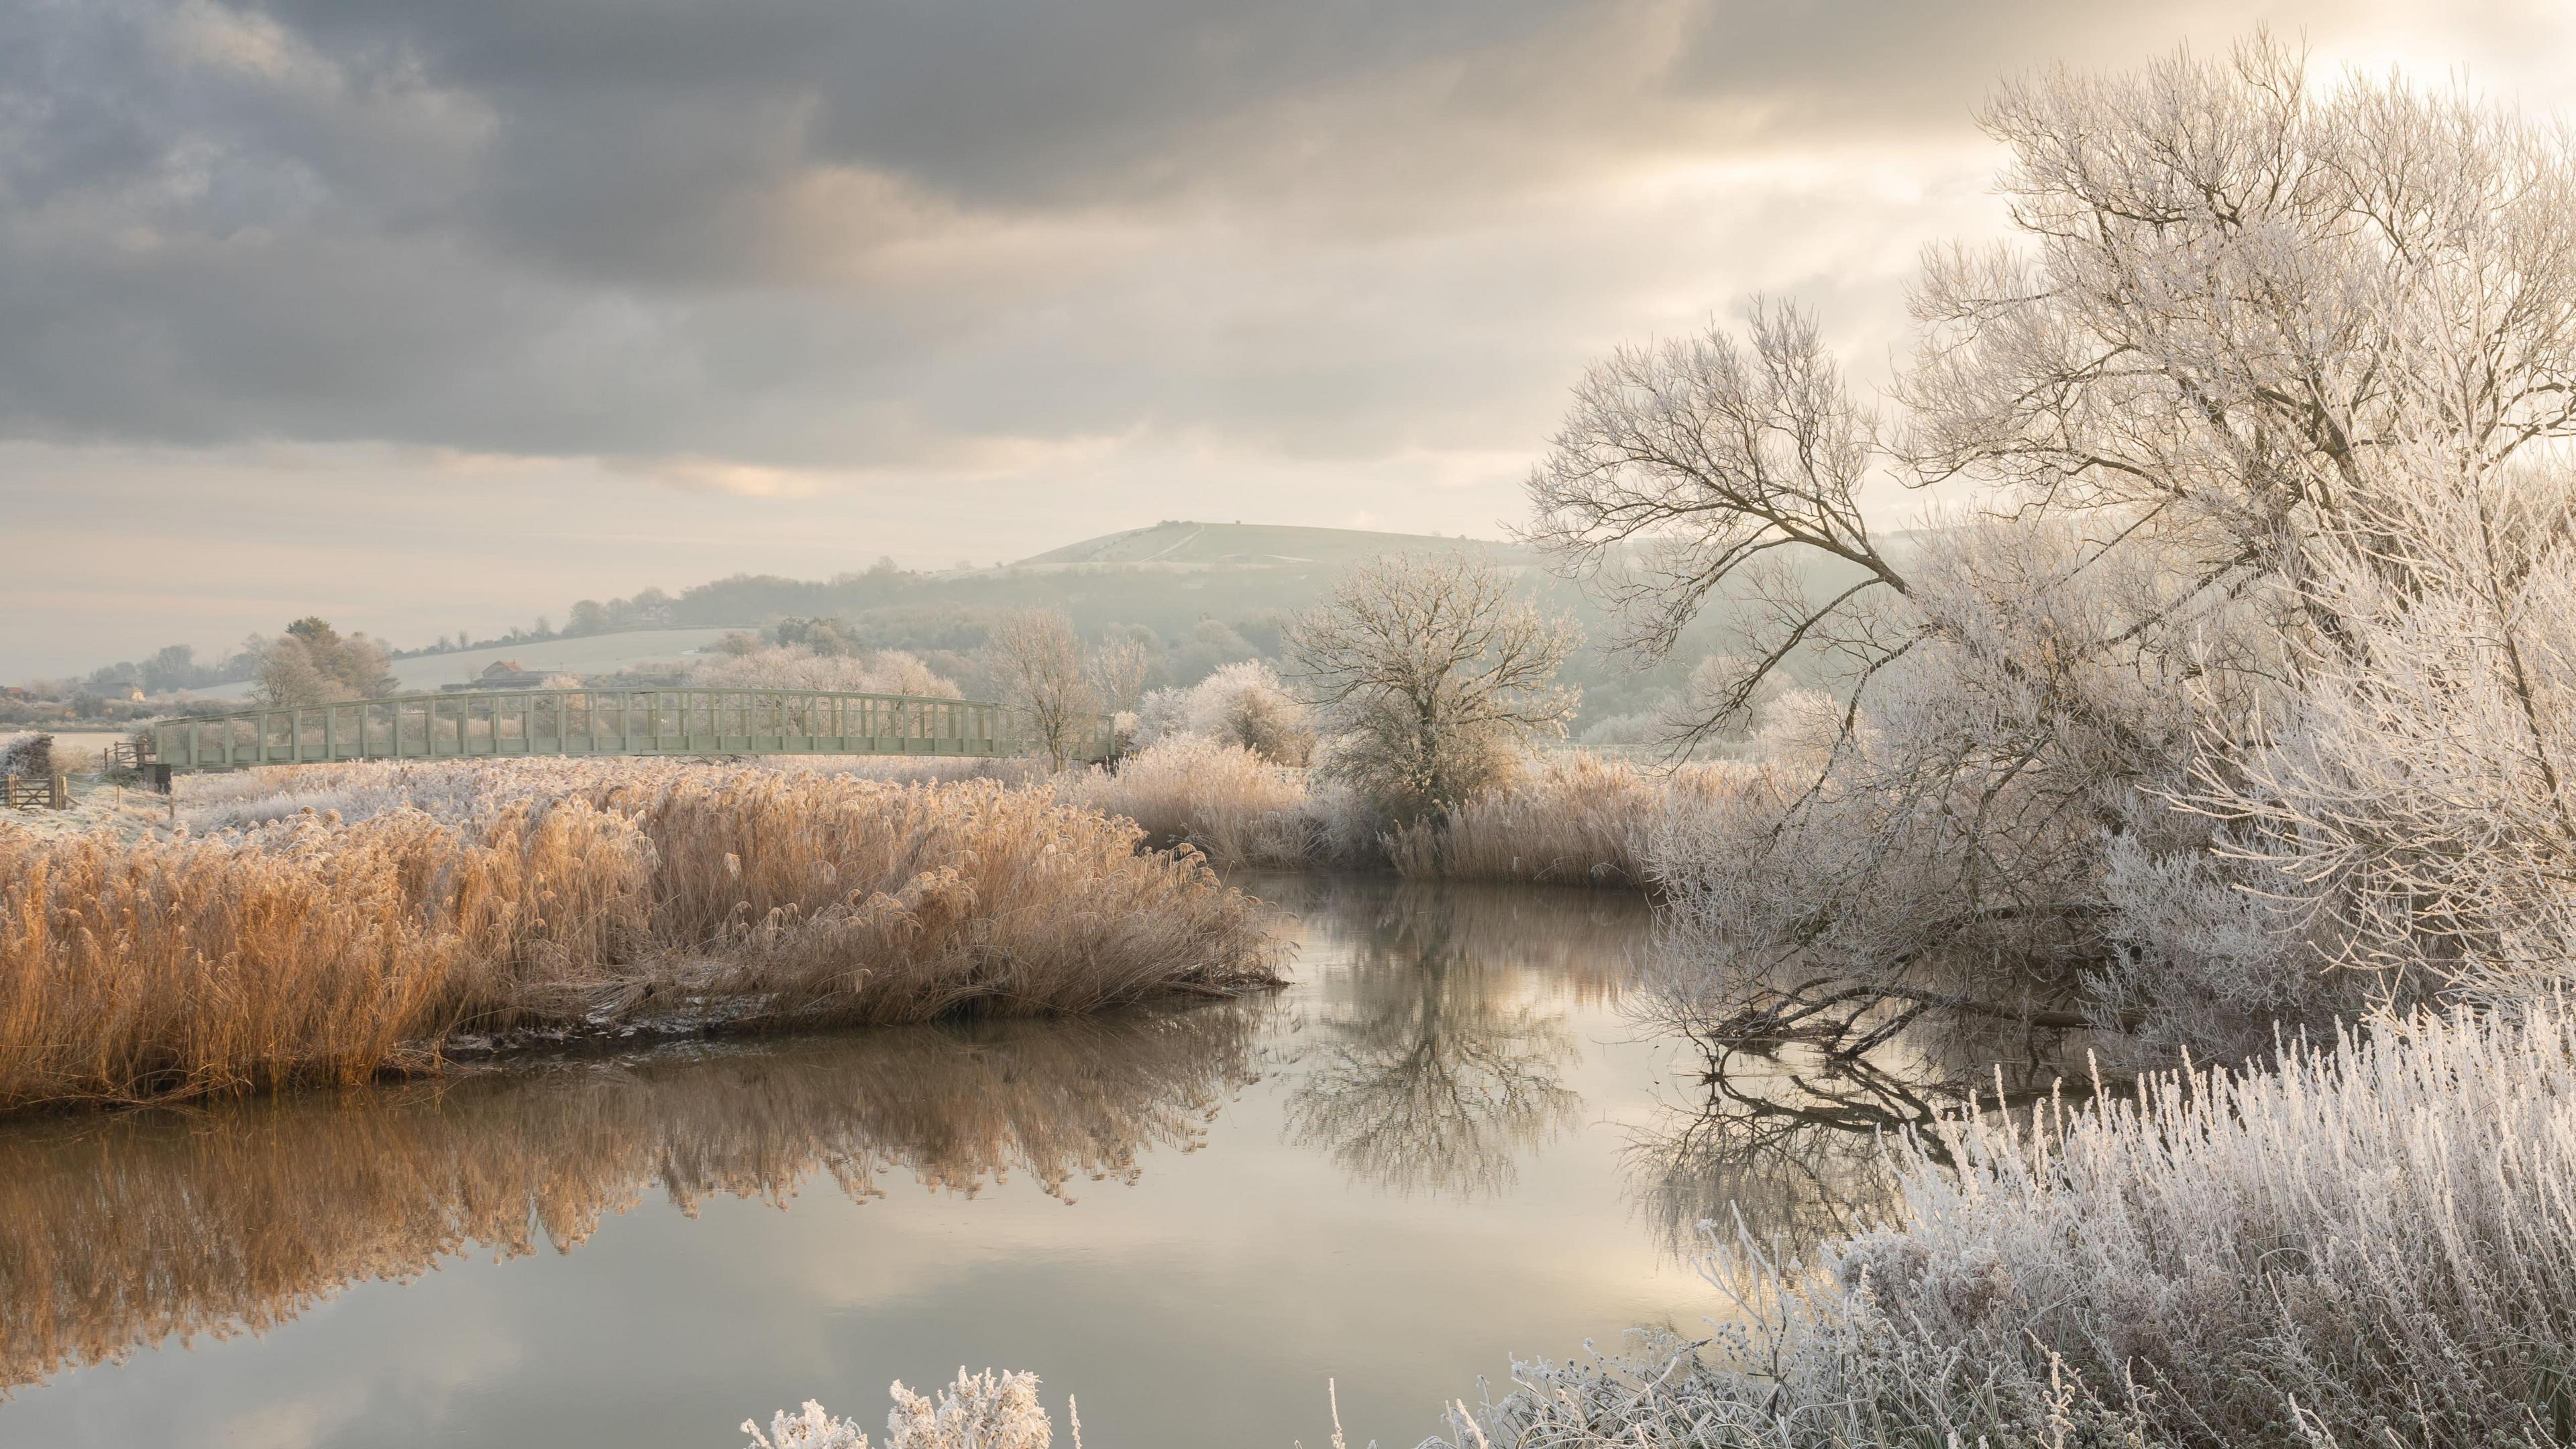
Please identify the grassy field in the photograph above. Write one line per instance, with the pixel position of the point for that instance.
(589, 654)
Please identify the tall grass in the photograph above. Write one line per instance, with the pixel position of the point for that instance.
(1235, 806)
(324, 948)
(2370, 1245)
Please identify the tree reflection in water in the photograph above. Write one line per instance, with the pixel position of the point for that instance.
(1443, 1045)
(1786, 1142)
(121, 1232)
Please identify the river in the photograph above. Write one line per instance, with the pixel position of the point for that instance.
(1443, 1146)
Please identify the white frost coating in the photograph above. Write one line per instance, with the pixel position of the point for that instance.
(1239, 704)
(979, 1411)
(2243, 692)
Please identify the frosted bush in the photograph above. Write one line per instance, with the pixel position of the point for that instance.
(1570, 818)
(1245, 704)
(979, 1411)
(1239, 704)
(30, 756)
(811, 1428)
(1160, 715)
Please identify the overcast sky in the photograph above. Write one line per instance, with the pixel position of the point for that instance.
(440, 315)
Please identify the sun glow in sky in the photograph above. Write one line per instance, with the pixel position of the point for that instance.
(438, 317)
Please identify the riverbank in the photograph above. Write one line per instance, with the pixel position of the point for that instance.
(357, 923)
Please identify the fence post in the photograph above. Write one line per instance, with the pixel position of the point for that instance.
(61, 794)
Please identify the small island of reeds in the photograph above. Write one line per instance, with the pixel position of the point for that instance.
(359, 921)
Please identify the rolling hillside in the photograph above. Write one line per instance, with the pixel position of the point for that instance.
(1183, 545)
(586, 654)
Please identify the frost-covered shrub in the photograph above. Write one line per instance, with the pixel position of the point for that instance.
(1239, 704)
(2367, 1245)
(1161, 714)
(29, 756)
(979, 1411)
(810, 1428)
(1245, 704)
(1571, 818)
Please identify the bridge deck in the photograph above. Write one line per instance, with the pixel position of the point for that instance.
(588, 722)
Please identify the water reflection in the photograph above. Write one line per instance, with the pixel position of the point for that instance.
(1440, 1045)
(1433, 1073)
(1786, 1142)
(121, 1232)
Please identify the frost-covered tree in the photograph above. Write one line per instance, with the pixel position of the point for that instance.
(1121, 666)
(2243, 406)
(1037, 660)
(1432, 676)
(312, 663)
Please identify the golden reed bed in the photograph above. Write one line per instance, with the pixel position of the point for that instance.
(329, 948)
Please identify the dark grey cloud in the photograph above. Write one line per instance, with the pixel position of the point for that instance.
(812, 231)
(1067, 264)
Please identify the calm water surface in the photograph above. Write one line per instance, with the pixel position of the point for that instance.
(1443, 1146)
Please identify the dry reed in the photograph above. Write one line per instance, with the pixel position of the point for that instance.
(1236, 807)
(490, 897)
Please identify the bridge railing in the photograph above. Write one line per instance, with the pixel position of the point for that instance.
(502, 723)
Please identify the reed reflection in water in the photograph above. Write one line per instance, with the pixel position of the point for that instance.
(121, 1232)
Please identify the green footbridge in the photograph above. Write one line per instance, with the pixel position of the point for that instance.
(514, 722)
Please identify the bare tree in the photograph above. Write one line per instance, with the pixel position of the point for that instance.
(1037, 660)
(2241, 403)
(1434, 677)
(1694, 470)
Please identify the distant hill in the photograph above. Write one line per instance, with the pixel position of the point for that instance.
(577, 654)
(1207, 594)
(1183, 545)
